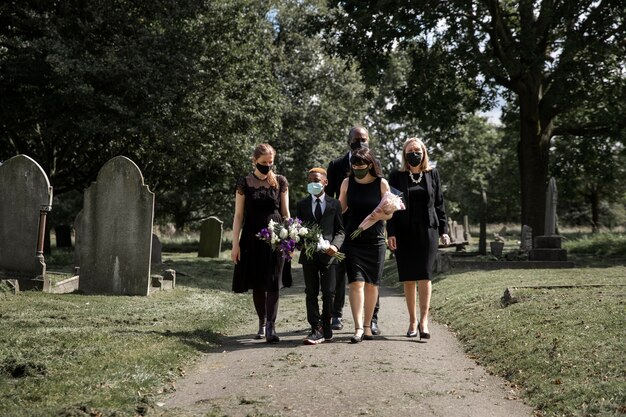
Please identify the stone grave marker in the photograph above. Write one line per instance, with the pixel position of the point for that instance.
(211, 232)
(548, 246)
(25, 199)
(157, 249)
(115, 231)
(527, 238)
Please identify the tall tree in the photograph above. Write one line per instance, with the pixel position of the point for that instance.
(322, 96)
(182, 87)
(555, 57)
(590, 171)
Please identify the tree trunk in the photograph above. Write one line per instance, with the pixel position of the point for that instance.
(533, 153)
(594, 198)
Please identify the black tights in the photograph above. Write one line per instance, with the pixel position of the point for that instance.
(266, 304)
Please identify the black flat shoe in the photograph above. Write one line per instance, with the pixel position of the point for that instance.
(423, 335)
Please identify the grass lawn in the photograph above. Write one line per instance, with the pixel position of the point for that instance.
(565, 346)
(76, 355)
(67, 354)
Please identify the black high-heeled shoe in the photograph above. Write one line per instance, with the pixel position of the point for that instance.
(356, 338)
(423, 335)
(410, 333)
(367, 336)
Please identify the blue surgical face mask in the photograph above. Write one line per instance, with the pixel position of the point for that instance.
(314, 188)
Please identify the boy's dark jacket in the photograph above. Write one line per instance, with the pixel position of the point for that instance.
(331, 224)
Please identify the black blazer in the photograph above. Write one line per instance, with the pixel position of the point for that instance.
(337, 171)
(331, 224)
(399, 223)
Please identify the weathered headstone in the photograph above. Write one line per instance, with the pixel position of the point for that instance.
(526, 242)
(548, 246)
(25, 199)
(210, 238)
(551, 200)
(115, 231)
(157, 248)
(466, 232)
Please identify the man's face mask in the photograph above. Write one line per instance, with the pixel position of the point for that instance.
(358, 145)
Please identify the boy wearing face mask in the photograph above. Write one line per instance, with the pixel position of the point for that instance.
(320, 271)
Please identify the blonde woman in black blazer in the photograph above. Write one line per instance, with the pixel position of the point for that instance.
(414, 233)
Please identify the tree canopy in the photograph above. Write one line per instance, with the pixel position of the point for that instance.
(553, 57)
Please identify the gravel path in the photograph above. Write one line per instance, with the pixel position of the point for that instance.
(389, 376)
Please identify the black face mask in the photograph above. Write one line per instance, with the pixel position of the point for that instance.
(414, 158)
(263, 169)
(358, 145)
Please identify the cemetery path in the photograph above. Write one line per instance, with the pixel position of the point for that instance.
(390, 376)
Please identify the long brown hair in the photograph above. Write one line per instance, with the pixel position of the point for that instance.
(266, 149)
(424, 165)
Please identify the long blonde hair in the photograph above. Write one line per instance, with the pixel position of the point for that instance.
(424, 165)
(266, 149)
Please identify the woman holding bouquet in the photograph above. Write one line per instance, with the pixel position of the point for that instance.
(260, 197)
(362, 191)
(413, 233)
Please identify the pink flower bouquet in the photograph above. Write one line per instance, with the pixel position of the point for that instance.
(388, 205)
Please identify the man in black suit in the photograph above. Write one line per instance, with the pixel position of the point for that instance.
(320, 271)
(338, 170)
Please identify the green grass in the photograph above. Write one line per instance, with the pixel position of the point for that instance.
(564, 347)
(598, 244)
(77, 355)
(60, 354)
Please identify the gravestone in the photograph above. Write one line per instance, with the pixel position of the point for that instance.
(466, 232)
(115, 231)
(548, 246)
(211, 232)
(526, 243)
(157, 249)
(25, 199)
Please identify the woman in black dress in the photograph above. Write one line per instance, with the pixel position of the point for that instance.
(414, 233)
(260, 197)
(361, 192)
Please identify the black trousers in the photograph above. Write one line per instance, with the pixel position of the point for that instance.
(319, 278)
(340, 293)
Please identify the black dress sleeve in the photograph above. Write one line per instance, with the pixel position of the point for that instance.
(240, 186)
(283, 185)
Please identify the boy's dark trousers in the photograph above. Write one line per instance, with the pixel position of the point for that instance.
(319, 277)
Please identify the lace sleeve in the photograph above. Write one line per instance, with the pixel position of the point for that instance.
(240, 187)
(283, 185)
